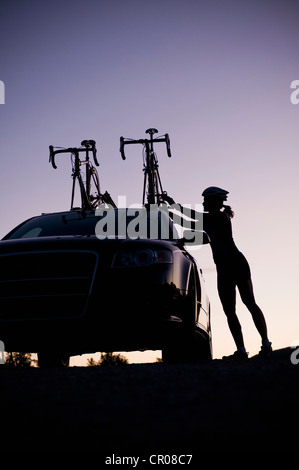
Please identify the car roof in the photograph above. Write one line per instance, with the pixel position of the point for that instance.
(59, 220)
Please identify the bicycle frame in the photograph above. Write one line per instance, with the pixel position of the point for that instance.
(88, 201)
(152, 180)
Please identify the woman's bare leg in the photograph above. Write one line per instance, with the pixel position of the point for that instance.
(227, 294)
(247, 296)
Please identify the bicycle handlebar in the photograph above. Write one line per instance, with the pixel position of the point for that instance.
(121, 148)
(167, 141)
(88, 146)
(145, 142)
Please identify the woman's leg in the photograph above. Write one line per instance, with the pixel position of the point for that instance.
(247, 296)
(227, 294)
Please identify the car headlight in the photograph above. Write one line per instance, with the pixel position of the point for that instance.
(141, 258)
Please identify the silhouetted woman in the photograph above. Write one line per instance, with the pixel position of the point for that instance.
(232, 269)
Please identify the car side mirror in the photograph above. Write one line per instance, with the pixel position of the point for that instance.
(195, 237)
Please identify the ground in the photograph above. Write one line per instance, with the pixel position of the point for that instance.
(153, 408)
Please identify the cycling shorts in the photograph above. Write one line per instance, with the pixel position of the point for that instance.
(237, 269)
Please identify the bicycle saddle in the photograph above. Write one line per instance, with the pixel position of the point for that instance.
(151, 131)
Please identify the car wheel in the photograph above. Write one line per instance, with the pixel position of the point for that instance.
(190, 347)
(202, 348)
(187, 345)
(51, 359)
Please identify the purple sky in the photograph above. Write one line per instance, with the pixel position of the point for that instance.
(215, 75)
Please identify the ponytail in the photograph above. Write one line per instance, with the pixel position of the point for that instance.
(228, 210)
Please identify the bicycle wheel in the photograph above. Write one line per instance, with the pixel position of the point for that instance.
(94, 194)
(84, 203)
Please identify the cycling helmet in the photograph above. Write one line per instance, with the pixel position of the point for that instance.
(214, 191)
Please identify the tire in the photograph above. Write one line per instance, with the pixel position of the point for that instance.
(202, 348)
(192, 348)
(171, 351)
(94, 187)
(188, 344)
(49, 359)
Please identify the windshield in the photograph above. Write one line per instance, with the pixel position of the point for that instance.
(105, 223)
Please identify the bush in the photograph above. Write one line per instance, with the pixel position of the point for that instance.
(108, 359)
(19, 359)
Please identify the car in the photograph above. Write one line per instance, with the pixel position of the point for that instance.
(106, 280)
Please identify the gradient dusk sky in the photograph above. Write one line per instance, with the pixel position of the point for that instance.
(216, 75)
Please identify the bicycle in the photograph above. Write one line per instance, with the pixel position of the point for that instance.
(152, 180)
(90, 192)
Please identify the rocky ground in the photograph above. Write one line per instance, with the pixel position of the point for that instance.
(153, 408)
